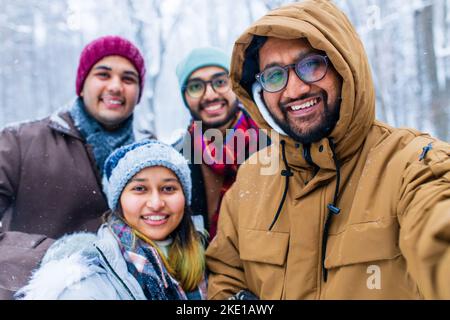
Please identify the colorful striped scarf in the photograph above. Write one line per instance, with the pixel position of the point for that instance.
(145, 264)
(224, 160)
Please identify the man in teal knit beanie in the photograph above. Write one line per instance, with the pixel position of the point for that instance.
(203, 76)
(215, 105)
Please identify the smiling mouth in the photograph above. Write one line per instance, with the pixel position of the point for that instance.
(112, 102)
(304, 106)
(156, 219)
(214, 108)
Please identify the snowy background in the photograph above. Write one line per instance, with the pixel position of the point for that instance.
(408, 43)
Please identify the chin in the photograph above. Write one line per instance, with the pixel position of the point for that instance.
(114, 121)
(213, 123)
(158, 238)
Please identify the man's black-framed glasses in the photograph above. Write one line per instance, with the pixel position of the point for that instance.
(196, 88)
(310, 69)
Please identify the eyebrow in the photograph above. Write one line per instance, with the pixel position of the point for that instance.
(212, 77)
(103, 68)
(145, 179)
(108, 68)
(299, 57)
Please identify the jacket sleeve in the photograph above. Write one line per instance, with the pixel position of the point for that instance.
(226, 276)
(424, 216)
(9, 167)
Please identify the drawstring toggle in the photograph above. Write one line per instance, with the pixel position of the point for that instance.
(334, 210)
(287, 173)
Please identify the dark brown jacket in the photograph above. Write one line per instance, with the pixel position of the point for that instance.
(49, 186)
(49, 182)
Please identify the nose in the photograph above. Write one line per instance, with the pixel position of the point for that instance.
(210, 93)
(295, 86)
(155, 202)
(115, 85)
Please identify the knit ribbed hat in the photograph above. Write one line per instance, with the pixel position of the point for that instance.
(109, 46)
(124, 163)
(199, 58)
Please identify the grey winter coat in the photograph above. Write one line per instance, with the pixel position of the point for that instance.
(83, 266)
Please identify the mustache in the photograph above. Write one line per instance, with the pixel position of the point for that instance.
(206, 103)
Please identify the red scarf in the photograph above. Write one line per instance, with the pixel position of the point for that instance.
(226, 162)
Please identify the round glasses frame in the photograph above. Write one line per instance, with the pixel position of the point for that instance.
(295, 67)
(224, 89)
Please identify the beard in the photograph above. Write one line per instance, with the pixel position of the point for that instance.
(313, 134)
(219, 123)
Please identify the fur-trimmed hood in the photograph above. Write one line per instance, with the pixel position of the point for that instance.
(75, 258)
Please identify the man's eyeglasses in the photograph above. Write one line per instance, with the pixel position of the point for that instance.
(311, 69)
(219, 83)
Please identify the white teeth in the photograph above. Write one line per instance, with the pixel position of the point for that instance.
(305, 105)
(116, 102)
(155, 218)
(112, 100)
(214, 107)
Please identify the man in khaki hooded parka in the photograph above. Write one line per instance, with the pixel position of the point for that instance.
(357, 209)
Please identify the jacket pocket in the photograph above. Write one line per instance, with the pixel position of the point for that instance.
(263, 246)
(263, 254)
(20, 254)
(365, 262)
(364, 242)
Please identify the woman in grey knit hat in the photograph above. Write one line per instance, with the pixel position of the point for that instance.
(148, 247)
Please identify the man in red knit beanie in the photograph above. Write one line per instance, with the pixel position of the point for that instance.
(51, 169)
